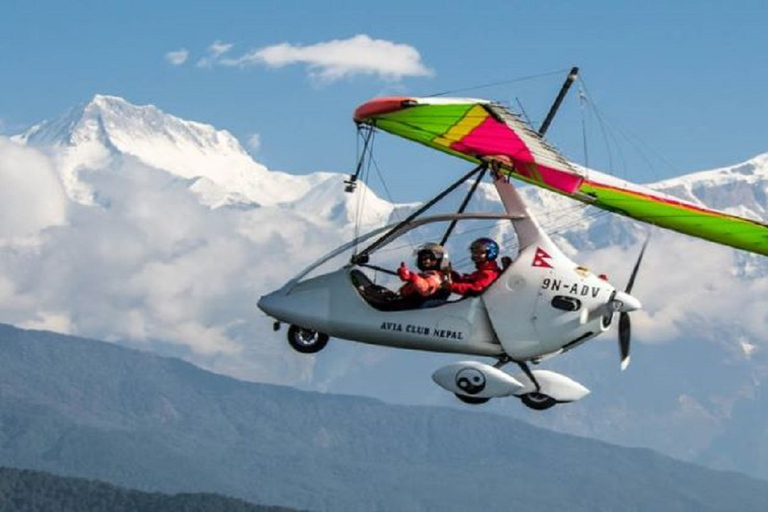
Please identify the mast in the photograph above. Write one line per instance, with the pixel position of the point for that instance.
(556, 105)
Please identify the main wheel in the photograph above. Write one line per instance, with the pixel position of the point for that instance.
(538, 401)
(306, 341)
(474, 400)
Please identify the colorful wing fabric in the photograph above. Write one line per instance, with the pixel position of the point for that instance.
(475, 130)
(479, 130)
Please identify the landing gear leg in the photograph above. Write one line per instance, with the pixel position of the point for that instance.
(535, 400)
(529, 374)
(502, 361)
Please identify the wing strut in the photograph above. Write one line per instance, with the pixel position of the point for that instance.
(556, 105)
(463, 205)
(362, 257)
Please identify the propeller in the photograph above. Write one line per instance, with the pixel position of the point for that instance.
(625, 328)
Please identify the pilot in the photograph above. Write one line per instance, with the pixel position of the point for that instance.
(484, 252)
(431, 285)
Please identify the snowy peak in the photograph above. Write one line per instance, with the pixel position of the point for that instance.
(111, 119)
(146, 132)
(134, 129)
(99, 134)
(111, 127)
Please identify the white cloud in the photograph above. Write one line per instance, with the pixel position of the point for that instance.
(254, 141)
(334, 60)
(31, 193)
(149, 265)
(178, 57)
(214, 54)
(218, 48)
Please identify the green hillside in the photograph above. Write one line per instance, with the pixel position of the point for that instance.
(86, 408)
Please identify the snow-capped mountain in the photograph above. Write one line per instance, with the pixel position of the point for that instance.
(165, 232)
(109, 126)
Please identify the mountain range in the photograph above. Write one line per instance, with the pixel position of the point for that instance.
(84, 408)
(124, 223)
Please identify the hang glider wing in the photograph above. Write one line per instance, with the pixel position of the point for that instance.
(479, 131)
(475, 130)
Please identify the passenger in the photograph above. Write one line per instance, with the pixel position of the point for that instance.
(484, 253)
(430, 286)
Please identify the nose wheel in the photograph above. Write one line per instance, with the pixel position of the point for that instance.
(306, 341)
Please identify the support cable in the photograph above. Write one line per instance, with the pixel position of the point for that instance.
(364, 255)
(463, 205)
(351, 183)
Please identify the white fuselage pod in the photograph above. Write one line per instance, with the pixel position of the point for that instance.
(543, 303)
(331, 304)
(475, 379)
(563, 389)
(530, 311)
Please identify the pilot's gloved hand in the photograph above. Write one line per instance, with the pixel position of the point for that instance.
(404, 273)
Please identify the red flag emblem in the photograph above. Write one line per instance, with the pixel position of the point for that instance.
(541, 258)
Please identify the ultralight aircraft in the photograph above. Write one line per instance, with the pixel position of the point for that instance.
(542, 305)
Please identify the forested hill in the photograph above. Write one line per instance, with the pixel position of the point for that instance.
(25, 490)
(91, 409)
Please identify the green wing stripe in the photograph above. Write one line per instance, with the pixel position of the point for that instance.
(648, 206)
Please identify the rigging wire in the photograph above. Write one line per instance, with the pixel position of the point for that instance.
(362, 172)
(523, 113)
(589, 216)
(365, 173)
(496, 84)
(397, 214)
(612, 135)
(382, 180)
(616, 132)
(582, 101)
(585, 101)
(643, 149)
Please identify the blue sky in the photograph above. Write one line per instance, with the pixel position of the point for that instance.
(683, 80)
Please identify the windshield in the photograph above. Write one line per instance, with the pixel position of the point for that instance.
(380, 252)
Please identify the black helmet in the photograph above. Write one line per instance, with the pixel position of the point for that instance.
(432, 251)
(488, 245)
